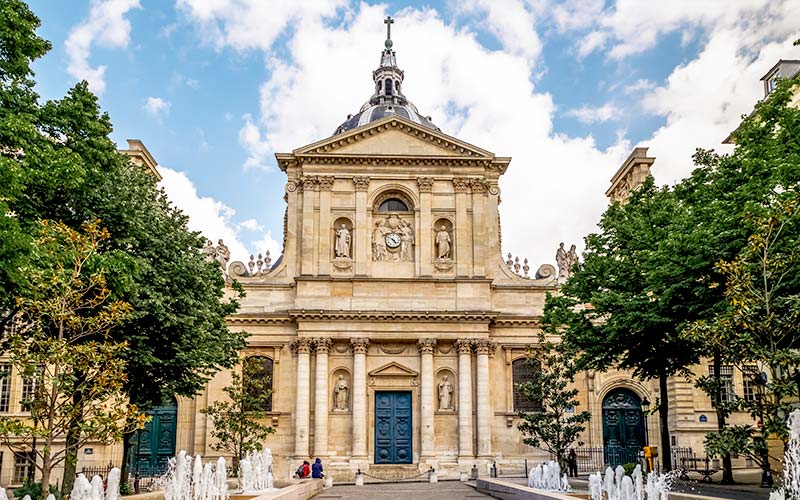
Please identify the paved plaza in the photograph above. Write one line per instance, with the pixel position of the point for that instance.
(445, 490)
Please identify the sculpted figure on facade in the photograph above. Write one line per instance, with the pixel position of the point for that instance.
(393, 240)
(343, 240)
(443, 243)
(445, 394)
(340, 395)
(561, 261)
(223, 255)
(572, 259)
(209, 252)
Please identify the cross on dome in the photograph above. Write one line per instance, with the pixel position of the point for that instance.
(388, 98)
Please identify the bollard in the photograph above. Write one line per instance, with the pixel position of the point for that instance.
(328, 481)
(359, 478)
(493, 472)
(432, 476)
(463, 477)
(474, 472)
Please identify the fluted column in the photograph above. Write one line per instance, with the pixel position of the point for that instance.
(321, 398)
(359, 346)
(426, 347)
(484, 349)
(302, 347)
(465, 449)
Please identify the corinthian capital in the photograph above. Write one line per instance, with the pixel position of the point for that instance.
(425, 184)
(426, 346)
(361, 183)
(359, 345)
(461, 184)
(322, 344)
(463, 346)
(302, 345)
(485, 346)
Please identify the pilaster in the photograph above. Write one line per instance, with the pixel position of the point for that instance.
(361, 230)
(359, 347)
(427, 398)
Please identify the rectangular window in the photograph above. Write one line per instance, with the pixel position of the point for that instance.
(749, 373)
(726, 379)
(5, 386)
(23, 467)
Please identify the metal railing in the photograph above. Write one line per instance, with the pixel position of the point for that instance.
(101, 471)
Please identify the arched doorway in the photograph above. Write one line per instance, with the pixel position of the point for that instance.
(152, 446)
(623, 427)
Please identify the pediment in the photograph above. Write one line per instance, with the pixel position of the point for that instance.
(394, 136)
(393, 369)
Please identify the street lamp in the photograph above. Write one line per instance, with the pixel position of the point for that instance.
(646, 411)
(766, 476)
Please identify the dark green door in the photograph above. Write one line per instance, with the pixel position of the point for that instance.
(623, 427)
(155, 444)
(393, 427)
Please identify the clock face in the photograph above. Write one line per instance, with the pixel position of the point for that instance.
(392, 240)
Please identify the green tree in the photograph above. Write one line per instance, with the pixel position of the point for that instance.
(61, 165)
(636, 306)
(67, 302)
(238, 426)
(557, 425)
(762, 327)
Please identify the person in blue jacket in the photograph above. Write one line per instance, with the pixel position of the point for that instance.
(316, 470)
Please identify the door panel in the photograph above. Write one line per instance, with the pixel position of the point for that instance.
(393, 427)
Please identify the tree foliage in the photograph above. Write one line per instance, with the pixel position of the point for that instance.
(58, 163)
(60, 342)
(238, 426)
(558, 425)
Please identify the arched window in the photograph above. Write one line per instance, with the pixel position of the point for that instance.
(388, 86)
(257, 381)
(393, 205)
(523, 370)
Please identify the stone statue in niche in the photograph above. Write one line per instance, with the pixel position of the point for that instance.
(340, 395)
(343, 240)
(443, 243)
(445, 394)
(393, 240)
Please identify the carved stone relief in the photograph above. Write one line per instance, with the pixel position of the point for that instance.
(393, 240)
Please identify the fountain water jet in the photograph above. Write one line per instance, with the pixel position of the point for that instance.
(548, 477)
(83, 489)
(618, 486)
(255, 472)
(182, 481)
(790, 489)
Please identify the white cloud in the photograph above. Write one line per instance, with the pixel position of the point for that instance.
(156, 106)
(105, 26)
(595, 114)
(487, 97)
(212, 218)
(512, 22)
(251, 225)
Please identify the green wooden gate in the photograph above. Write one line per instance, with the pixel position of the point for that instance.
(155, 444)
(623, 427)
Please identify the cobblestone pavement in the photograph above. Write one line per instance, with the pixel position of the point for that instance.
(445, 490)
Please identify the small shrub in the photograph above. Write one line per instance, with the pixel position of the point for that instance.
(629, 468)
(34, 489)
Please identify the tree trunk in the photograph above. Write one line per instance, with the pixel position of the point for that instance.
(727, 466)
(127, 444)
(71, 443)
(663, 416)
(46, 465)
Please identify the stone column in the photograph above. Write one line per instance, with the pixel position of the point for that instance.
(325, 234)
(463, 232)
(310, 185)
(361, 230)
(484, 349)
(480, 189)
(426, 250)
(359, 346)
(465, 449)
(302, 346)
(321, 398)
(426, 347)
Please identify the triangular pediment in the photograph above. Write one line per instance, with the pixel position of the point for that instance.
(394, 136)
(393, 369)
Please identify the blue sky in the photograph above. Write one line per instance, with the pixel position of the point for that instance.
(215, 87)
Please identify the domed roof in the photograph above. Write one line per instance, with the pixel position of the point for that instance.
(388, 98)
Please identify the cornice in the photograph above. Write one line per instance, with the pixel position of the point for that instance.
(438, 316)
